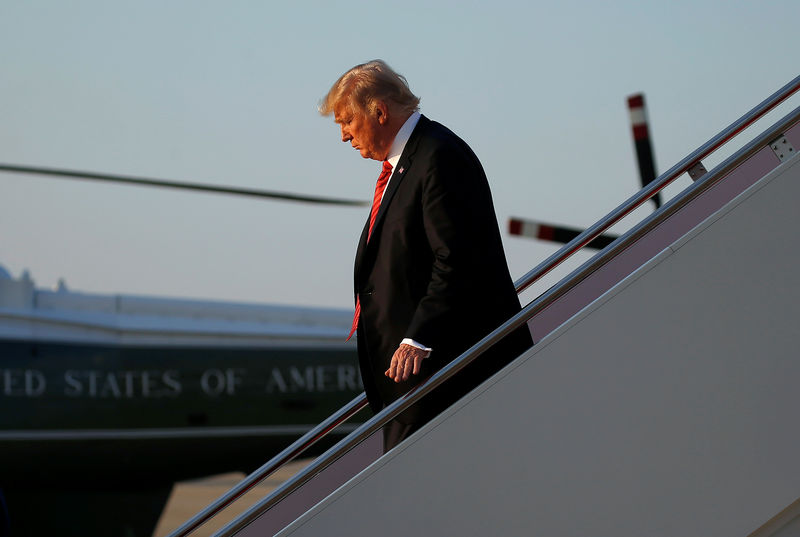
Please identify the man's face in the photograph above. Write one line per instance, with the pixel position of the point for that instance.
(364, 131)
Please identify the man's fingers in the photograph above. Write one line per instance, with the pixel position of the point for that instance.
(394, 366)
(408, 364)
(406, 360)
(399, 364)
(392, 372)
(418, 364)
(401, 367)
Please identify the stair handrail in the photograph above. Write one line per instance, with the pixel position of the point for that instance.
(271, 466)
(657, 185)
(534, 307)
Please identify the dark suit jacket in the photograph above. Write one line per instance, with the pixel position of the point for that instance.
(434, 271)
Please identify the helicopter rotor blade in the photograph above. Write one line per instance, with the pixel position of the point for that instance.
(641, 140)
(142, 181)
(647, 174)
(554, 233)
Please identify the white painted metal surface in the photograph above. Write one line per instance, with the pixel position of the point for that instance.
(664, 234)
(666, 407)
(27, 312)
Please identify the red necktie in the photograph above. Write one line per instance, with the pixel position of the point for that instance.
(380, 186)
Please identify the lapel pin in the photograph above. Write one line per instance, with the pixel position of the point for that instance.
(400, 170)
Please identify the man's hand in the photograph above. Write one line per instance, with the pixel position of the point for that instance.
(407, 359)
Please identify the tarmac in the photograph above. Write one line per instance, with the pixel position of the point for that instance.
(190, 497)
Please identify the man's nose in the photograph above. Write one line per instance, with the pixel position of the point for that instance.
(346, 135)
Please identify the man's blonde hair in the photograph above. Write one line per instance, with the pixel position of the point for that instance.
(364, 85)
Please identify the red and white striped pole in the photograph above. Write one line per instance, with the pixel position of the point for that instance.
(641, 139)
(548, 232)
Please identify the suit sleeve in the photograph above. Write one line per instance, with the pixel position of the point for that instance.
(462, 233)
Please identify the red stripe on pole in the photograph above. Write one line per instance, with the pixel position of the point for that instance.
(515, 227)
(640, 132)
(546, 233)
(636, 101)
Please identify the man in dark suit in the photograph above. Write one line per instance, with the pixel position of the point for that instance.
(431, 277)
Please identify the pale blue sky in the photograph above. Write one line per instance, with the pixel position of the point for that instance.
(226, 93)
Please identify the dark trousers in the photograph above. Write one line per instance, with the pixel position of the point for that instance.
(4, 521)
(395, 432)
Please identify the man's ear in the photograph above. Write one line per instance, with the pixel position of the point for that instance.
(381, 112)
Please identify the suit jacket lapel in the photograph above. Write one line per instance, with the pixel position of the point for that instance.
(401, 170)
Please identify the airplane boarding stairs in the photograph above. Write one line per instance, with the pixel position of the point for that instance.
(660, 399)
